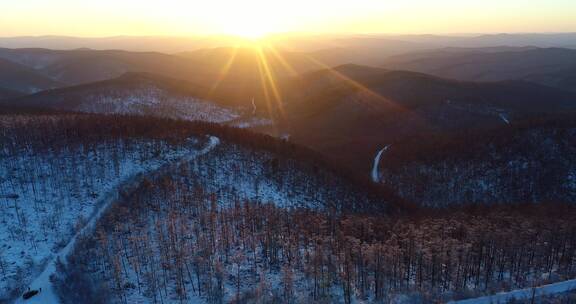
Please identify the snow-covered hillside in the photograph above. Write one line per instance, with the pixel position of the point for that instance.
(60, 172)
(43, 282)
(147, 95)
(229, 179)
(48, 192)
(152, 100)
(132, 209)
(235, 173)
(224, 229)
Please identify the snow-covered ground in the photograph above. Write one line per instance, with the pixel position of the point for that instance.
(230, 174)
(523, 294)
(235, 173)
(251, 122)
(42, 282)
(151, 100)
(46, 197)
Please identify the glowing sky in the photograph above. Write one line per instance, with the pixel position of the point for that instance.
(257, 17)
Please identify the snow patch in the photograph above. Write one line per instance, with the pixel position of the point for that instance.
(252, 122)
(151, 100)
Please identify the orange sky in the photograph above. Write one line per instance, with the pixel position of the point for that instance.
(254, 18)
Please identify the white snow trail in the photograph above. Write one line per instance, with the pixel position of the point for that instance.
(522, 294)
(504, 118)
(375, 177)
(48, 294)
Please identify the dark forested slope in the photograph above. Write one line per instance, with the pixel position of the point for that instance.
(529, 162)
(351, 112)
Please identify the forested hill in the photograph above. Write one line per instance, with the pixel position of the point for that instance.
(178, 244)
(45, 126)
(122, 209)
(60, 172)
(530, 161)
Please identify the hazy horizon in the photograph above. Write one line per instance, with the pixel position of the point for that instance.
(256, 18)
(304, 34)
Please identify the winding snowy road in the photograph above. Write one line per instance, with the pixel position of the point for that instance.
(253, 106)
(48, 294)
(522, 294)
(503, 117)
(375, 177)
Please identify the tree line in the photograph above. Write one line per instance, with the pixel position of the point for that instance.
(170, 242)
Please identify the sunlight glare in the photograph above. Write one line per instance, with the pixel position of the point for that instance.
(248, 30)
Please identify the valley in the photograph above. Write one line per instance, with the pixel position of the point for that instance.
(330, 169)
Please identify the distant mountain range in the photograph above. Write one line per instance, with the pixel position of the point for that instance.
(346, 111)
(19, 78)
(241, 73)
(295, 42)
(83, 66)
(550, 66)
(563, 40)
(244, 70)
(352, 111)
(164, 44)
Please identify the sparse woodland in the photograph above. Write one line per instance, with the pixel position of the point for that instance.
(255, 220)
(171, 242)
(52, 177)
(56, 170)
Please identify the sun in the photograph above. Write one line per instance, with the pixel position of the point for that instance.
(250, 19)
(250, 27)
(249, 31)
